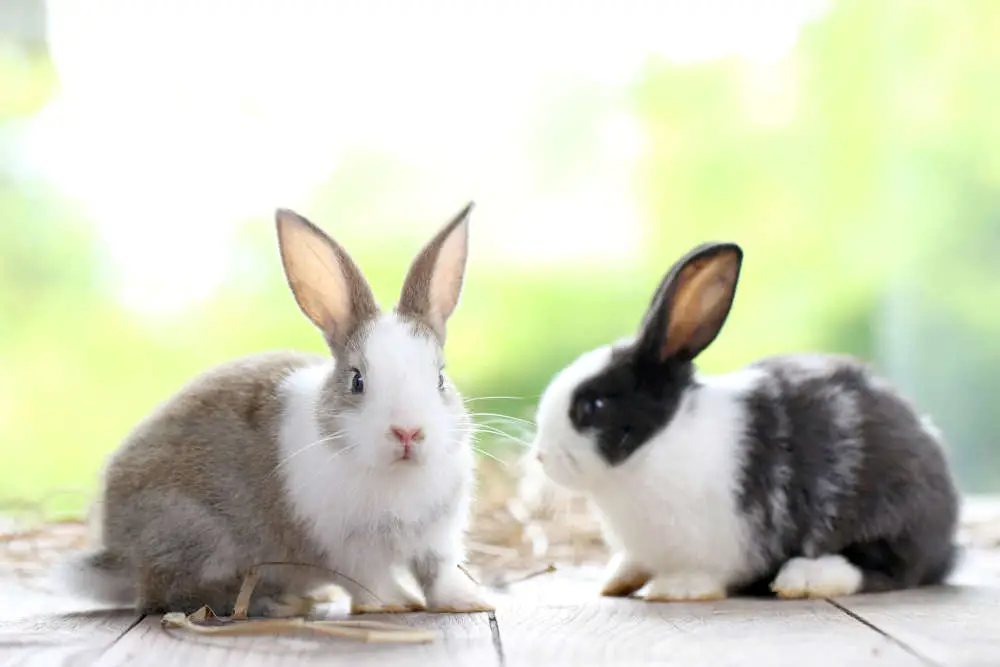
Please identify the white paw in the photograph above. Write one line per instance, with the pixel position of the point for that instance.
(689, 587)
(289, 605)
(329, 595)
(623, 577)
(824, 577)
(455, 593)
(392, 598)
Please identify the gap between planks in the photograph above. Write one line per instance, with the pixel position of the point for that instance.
(558, 619)
(564, 622)
(865, 622)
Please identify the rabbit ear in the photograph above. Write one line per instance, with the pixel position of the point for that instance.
(327, 284)
(434, 282)
(692, 302)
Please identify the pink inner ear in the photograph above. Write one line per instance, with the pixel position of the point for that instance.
(713, 294)
(700, 304)
(446, 279)
(327, 285)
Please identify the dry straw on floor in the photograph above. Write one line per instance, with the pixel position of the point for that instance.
(205, 622)
(522, 523)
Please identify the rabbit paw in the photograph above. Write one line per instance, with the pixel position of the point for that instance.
(396, 599)
(624, 577)
(824, 577)
(690, 587)
(455, 593)
(287, 605)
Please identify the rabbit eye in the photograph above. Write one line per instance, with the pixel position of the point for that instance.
(357, 382)
(440, 381)
(587, 408)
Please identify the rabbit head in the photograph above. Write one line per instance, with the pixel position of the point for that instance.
(598, 412)
(387, 403)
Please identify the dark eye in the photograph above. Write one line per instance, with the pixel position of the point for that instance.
(586, 409)
(440, 381)
(357, 382)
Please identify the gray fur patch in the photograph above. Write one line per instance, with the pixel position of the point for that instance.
(836, 462)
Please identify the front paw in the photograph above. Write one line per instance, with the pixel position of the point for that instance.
(389, 608)
(624, 577)
(398, 600)
(824, 577)
(456, 593)
(287, 605)
(692, 587)
(388, 595)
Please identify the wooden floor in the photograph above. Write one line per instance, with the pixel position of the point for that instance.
(557, 619)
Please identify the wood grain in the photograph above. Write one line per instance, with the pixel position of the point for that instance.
(38, 626)
(466, 639)
(955, 625)
(561, 621)
(65, 639)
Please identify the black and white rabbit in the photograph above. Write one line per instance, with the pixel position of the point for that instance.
(805, 474)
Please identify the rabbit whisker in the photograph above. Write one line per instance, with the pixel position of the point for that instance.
(507, 431)
(502, 417)
(330, 459)
(330, 438)
(487, 430)
(492, 398)
(522, 437)
(488, 455)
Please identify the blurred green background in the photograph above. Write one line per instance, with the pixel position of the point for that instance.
(855, 154)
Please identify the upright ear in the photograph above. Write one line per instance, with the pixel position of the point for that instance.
(692, 302)
(434, 281)
(326, 282)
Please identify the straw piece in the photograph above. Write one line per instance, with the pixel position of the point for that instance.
(243, 597)
(531, 575)
(205, 622)
(371, 632)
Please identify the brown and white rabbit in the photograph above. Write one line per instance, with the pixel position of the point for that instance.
(361, 463)
(803, 474)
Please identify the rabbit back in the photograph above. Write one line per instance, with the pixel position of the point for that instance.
(221, 508)
(838, 462)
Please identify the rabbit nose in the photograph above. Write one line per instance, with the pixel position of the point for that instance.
(407, 436)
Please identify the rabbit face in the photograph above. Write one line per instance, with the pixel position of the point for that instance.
(389, 403)
(567, 454)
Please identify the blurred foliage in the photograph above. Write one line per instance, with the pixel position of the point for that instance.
(863, 179)
(861, 173)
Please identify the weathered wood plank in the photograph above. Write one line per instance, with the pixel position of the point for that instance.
(466, 639)
(957, 626)
(980, 521)
(559, 620)
(39, 627)
(76, 638)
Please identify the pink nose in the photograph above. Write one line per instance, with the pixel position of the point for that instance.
(407, 436)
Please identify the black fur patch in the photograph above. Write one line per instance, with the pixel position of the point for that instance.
(629, 402)
(639, 392)
(837, 463)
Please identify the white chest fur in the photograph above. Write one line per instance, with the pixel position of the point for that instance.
(355, 514)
